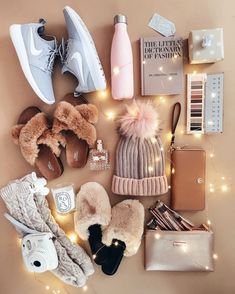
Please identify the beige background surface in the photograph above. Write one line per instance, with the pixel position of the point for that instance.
(16, 95)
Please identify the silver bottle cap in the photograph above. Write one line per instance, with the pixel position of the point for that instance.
(120, 18)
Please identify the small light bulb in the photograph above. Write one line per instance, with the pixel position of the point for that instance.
(116, 70)
(84, 288)
(110, 115)
(94, 256)
(209, 222)
(58, 291)
(157, 159)
(223, 178)
(213, 95)
(185, 248)
(181, 132)
(215, 256)
(169, 136)
(19, 241)
(60, 218)
(150, 168)
(212, 155)
(160, 68)
(194, 72)
(169, 187)
(162, 99)
(47, 287)
(212, 190)
(173, 170)
(144, 62)
(103, 94)
(207, 267)
(73, 237)
(175, 56)
(169, 78)
(224, 188)
(153, 140)
(162, 149)
(116, 243)
(133, 113)
(157, 236)
(156, 124)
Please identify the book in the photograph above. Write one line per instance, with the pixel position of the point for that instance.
(161, 66)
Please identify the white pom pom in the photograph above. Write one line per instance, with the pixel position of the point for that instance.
(139, 121)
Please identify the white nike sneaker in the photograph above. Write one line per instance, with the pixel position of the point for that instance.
(36, 56)
(79, 55)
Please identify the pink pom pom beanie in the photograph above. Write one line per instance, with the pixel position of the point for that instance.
(140, 163)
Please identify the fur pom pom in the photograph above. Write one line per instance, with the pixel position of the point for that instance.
(139, 121)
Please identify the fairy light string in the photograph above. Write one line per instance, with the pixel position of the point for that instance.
(111, 115)
(212, 155)
(48, 288)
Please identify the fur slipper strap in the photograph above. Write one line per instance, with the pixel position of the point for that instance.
(53, 141)
(34, 132)
(78, 119)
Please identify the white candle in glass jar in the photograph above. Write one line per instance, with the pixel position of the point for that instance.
(64, 198)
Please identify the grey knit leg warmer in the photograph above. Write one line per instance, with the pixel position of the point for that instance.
(32, 210)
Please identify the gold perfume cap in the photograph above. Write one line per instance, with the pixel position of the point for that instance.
(99, 145)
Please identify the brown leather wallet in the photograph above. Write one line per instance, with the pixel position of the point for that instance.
(188, 179)
(188, 172)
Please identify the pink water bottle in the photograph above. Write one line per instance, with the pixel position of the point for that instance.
(121, 61)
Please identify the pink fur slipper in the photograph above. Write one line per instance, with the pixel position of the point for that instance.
(93, 207)
(126, 225)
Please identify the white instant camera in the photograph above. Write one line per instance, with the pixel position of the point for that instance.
(39, 253)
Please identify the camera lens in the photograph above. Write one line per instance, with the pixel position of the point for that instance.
(37, 263)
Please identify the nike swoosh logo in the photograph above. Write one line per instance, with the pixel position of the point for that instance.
(33, 49)
(77, 56)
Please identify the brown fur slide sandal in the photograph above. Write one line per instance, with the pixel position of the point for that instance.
(38, 145)
(75, 121)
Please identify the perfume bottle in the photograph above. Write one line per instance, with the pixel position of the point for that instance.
(99, 157)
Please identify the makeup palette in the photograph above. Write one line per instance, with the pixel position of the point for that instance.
(204, 103)
(195, 105)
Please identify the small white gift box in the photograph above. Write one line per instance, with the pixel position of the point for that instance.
(206, 46)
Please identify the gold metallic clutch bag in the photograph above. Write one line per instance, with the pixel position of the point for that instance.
(179, 250)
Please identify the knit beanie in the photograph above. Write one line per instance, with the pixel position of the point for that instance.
(140, 163)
